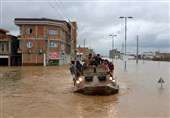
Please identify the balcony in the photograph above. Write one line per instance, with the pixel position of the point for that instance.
(4, 53)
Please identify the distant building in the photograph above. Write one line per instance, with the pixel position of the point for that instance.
(8, 49)
(160, 56)
(82, 53)
(114, 53)
(46, 40)
(148, 55)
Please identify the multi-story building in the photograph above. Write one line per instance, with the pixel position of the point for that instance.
(8, 49)
(74, 40)
(45, 40)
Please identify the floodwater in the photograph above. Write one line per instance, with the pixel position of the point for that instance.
(46, 92)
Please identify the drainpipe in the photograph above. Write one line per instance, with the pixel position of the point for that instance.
(44, 59)
(9, 52)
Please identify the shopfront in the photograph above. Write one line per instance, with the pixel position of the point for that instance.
(54, 58)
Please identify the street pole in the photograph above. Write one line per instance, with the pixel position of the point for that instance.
(125, 60)
(125, 41)
(137, 43)
(112, 35)
(112, 47)
(44, 59)
(84, 43)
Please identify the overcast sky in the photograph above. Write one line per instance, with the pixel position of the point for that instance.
(98, 19)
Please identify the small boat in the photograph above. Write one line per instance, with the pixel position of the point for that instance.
(96, 81)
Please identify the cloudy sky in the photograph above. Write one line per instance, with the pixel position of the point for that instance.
(97, 19)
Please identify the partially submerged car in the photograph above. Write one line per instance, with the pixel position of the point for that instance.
(96, 81)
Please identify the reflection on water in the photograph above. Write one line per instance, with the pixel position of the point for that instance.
(47, 92)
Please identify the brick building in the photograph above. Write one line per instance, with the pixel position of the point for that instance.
(8, 49)
(83, 53)
(161, 56)
(46, 40)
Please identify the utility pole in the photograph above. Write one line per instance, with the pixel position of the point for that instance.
(125, 18)
(112, 51)
(137, 48)
(122, 48)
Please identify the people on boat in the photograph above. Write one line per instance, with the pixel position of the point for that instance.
(91, 61)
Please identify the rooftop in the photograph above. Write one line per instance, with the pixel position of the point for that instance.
(3, 30)
(38, 19)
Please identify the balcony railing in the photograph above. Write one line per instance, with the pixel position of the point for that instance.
(4, 53)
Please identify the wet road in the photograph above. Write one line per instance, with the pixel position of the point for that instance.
(40, 92)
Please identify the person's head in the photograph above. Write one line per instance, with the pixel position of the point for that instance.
(77, 62)
(102, 60)
(110, 63)
(90, 55)
(72, 62)
(98, 55)
(106, 61)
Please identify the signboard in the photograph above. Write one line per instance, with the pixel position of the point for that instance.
(54, 55)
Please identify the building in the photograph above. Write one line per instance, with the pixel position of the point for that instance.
(8, 49)
(114, 53)
(161, 56)
(74, 40)
(83, 53)
(46, 41)
(148, 55)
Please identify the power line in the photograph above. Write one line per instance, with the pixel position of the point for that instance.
(58, 12)
(58, 3)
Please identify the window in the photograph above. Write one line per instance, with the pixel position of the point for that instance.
(29, 44)
(62, 33)
(3, 47)
(29, 30)
(62, 46)
(53, 44)
(53, 32)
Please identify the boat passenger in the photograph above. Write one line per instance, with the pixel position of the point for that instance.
(104, 65)
(96, 60)
(111, 68)
(89, 60)
(79, 68)
(73, 71)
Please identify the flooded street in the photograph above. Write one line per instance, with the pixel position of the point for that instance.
(47, 92)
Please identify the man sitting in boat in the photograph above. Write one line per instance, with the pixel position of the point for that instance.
(89, 60)
(79, 68)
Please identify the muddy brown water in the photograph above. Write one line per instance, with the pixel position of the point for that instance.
(47, 92)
